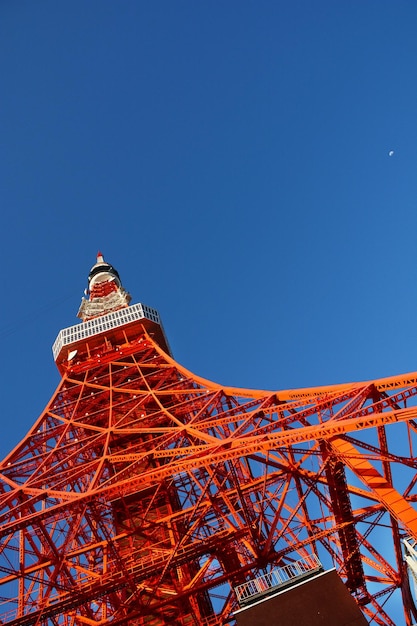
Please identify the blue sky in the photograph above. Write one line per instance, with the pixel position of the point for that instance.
(231, 160)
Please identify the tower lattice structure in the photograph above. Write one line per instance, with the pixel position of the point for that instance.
(145, 494)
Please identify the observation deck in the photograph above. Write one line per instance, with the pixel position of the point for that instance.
(314, 597)
(278, 577)
(115, 328)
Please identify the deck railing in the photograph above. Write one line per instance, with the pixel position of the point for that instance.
(277, 577)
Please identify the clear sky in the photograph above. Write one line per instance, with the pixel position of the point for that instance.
(231, 160)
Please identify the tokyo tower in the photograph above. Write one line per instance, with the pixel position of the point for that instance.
(147, 495)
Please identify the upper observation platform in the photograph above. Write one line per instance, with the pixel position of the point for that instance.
(107, 320)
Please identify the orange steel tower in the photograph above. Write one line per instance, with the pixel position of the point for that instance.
(145, 494)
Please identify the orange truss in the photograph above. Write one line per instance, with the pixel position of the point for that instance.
(145, 494)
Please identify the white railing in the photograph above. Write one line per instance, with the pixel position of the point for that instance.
(102, 324)
(277, 577)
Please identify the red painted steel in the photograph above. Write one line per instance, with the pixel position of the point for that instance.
(144, 494)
